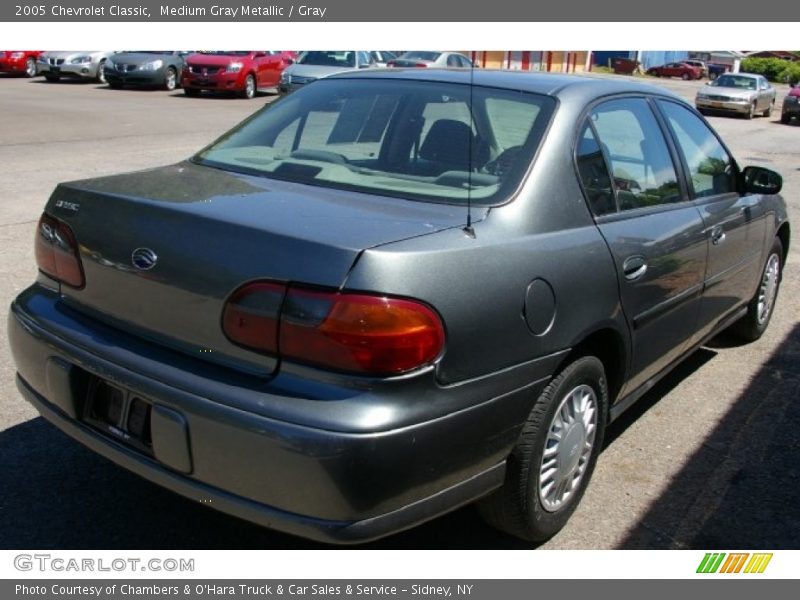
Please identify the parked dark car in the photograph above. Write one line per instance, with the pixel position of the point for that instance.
(676, 69)
(791, 105)
(159, 68)
(716, 69)
(242, 72)
(393, 293)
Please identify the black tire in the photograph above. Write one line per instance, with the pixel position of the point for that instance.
(51, 78)
(753, 325)
(192, 92)
(685, 76)
(518, 507)
(751, 112)
(31, 70)
(101, 72)
(785, 119)
(170, 79)
(768, 111)
(249, 90)
(702, 111)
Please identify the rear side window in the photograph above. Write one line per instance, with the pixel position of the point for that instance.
(642, 170)
(709, 165)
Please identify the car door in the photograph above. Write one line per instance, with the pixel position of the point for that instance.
(270, 64)
(735, 224)
(655, 234)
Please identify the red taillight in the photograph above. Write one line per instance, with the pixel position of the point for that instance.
(421, 64)
(57, 252)
(360, 333)
(250, 317)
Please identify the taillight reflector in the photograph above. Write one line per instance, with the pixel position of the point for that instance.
(57, 252)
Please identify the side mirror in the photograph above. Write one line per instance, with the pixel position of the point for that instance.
(288, 60)
(758, 180)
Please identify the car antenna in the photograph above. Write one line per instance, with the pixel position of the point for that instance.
(468, 229)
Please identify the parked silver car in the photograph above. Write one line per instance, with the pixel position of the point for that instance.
(316, 64)
(79, 64)
(742, 93)
(427, 58)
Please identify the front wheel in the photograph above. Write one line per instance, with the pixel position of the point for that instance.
(170, 80)
(550, 467)
(685, 77)
(759, 311)
(249, 90)
(768, 110)
(30, 67)
(101, 72)
(751, 111)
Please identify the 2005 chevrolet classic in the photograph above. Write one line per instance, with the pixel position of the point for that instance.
(394, 293)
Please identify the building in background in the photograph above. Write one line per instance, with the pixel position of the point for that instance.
(550, 61)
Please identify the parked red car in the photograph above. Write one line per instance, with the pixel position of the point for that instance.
(676, 69)
(19, 62)
(243, 72)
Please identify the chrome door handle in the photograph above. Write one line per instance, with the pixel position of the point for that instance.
(717, 235)
(634, 267)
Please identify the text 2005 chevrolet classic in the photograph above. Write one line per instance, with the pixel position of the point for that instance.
(394, 293)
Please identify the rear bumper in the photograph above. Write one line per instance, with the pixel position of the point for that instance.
(325, 473)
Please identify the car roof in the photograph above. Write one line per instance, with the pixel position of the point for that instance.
(551, 84)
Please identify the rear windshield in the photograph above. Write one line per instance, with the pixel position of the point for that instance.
(328, 58)
(421, 55)
(420, 140)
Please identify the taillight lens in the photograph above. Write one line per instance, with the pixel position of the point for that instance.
(57, 252)
(250, 317)
(358, 333)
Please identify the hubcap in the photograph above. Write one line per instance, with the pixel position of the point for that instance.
(30, 68)
(251, 87)
(171, 79)
(568, 447)
(769, 288)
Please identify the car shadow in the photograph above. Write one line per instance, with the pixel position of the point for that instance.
(741, 489)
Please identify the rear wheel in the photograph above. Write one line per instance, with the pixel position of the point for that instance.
(550, 467)
(759, 311)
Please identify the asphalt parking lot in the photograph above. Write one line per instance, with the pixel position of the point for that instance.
(709, 459)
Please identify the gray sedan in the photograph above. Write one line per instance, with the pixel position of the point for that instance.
(741, 93)
(395, 292)
(161, 68)
(81, 64)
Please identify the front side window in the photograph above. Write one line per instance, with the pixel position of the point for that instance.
(643, 174)
(709, 164)
(421, 140)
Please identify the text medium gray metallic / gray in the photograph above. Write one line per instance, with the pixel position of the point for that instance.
(368, 10)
